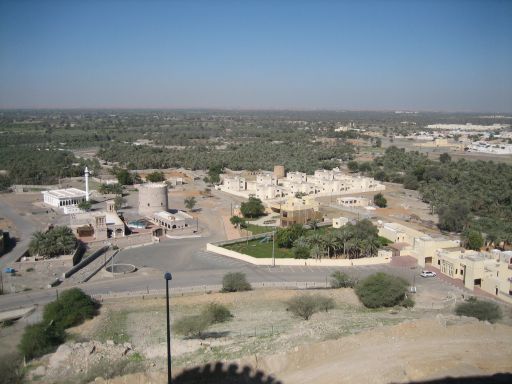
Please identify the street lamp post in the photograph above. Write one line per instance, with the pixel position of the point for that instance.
(273, 247)
(168, 277)
(413, 287)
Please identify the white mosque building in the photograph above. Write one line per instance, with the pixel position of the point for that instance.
(68, 198)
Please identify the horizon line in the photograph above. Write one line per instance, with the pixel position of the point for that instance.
(402, 110)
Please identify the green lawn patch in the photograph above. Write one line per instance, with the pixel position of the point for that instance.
(257, 229)
(260, 250)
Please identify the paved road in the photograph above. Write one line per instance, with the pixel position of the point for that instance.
(24, 227)
(197, 269)
(190, 266)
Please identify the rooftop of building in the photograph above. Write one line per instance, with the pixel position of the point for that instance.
(153, 185)
(173, 216)
(66, 193)
(113, 219)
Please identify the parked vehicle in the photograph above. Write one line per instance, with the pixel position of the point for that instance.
(428, 274)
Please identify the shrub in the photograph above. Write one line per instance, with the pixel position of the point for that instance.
(381, 290)
(252, 208)
(303, 306)
(300, 252)
(72, 308)
(216, 313)
(408, 302)
(324, 303)
(11, 369)
(482, 310)
(380, 201)
(191, 326)
(285, 237)
(341, 280)
(235, 282)
(194, 326)
(41, 338)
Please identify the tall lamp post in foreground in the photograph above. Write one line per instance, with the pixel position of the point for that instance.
(168, 277)
(273, 248)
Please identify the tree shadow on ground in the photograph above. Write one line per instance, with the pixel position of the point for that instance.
(225, 374)
(499, 378)
(10, 244)
(214, 335)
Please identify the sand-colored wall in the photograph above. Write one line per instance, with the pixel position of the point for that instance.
(298, 262)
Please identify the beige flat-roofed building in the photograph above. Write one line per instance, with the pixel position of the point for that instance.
(352, 201)
(235, 183)
(415, 243)
(100, 225)
(266, 179)
(268, 191)
(339, 222)
(63, 197)
(175, 220)
(491, 272)
(424, 248)
(299, 211)
(297, 177)
(399, 233)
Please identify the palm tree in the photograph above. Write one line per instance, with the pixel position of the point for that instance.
(316, 242)
(330, 243)
(37, 246)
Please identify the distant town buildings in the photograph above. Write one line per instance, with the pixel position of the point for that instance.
(467, 127)
(269, 186)
(485, 147)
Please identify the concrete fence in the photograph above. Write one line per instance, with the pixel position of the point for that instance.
(178, 291)
(217, 248)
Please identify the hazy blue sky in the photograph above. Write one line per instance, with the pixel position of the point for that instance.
(420, 55)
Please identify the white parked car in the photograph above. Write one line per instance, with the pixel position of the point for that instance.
(428, 274)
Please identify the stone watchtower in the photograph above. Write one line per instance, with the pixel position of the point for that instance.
(152, 198)
(279, 171)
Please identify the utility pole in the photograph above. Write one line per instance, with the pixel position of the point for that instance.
(168, 277)
(273, 247)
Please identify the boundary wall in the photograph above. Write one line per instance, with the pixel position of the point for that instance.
(218, 249)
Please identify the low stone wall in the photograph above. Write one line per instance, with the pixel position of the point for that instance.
(84, 262)
(134, 240)
(20, 188)
(216, 248)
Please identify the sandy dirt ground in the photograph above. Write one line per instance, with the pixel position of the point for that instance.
(349, 344)
(412, 351)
